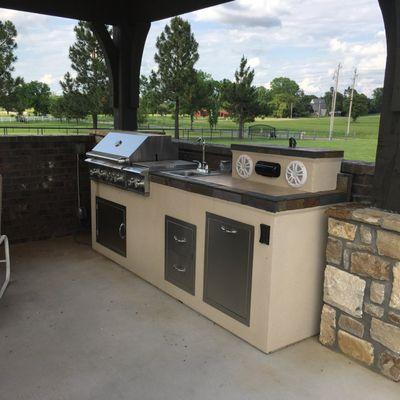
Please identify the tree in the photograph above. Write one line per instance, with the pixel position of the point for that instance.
(214, 105)
(264, 98)
(9, 95)
(339, 101)
(91, 83)
(302, 107)
(8, 45)
(376, 101)
(38, 94)
(177, 53)
(74, 104)
(22, 99)
(56, 107)
(239, 97)
(360, 104)
(197, 96)
(284, 94)
(150, 94)
(8, 34)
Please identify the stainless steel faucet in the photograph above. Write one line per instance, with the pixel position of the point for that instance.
(202, 166)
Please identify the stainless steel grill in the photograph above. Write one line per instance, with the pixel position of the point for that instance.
(125, 159)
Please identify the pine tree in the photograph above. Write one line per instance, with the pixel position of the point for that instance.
(91, 79)
(240, 96)
(177, 53)
(8, 45)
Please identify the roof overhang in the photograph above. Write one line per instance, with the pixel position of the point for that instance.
(111, 12)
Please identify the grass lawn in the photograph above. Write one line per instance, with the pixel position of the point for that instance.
(354, 149)
(364, 127)
(360, 146)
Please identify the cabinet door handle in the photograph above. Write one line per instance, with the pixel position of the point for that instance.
(179, 269)
(228, 230)
(122, 231)
(178, 240)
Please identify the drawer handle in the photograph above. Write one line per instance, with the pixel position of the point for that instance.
(179, 269)
(177, 240)
(228, 230)
(122, 231)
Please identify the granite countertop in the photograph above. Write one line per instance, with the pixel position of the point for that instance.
(303, 152)
(266, 197)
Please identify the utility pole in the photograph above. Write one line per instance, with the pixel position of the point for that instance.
(333, 108)
(351, 101)
(291, 110)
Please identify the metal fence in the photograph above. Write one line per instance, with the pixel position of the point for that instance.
(184, 133)
(45, 130)
(232, 134)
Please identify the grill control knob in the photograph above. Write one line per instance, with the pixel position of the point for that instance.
(135, 183)
(94, 172)
(139, 183)
(118, 178)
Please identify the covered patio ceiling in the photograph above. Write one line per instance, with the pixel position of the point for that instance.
(111, 12)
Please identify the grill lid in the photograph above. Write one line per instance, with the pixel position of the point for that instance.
(129, 147)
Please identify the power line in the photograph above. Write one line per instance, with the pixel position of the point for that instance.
(351, 101)
(333, 108)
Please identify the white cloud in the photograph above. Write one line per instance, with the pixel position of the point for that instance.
(47, 78)
(43, 44)
(336, 45)
(246, 13)
(254, 62)
(309, 86)
(303, 40)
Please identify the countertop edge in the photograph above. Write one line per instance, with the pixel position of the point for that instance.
(261, 201)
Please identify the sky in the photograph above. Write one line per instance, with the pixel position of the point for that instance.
(303, 40)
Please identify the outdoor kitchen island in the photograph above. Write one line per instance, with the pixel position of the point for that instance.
(245, 249)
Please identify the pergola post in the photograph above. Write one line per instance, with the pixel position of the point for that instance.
(123, 52)
(387, 165)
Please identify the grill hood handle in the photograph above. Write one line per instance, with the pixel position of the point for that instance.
(122, 160)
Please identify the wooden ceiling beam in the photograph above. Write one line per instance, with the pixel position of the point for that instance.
(112, 12)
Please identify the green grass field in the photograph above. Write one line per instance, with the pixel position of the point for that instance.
(364, 127)
(361, 145)
(354, 149)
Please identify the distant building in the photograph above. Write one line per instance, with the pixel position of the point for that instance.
(223, 113)
(204, 113)
(319, 107)
(201, 113)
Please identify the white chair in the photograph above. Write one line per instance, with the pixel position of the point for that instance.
(4, 241)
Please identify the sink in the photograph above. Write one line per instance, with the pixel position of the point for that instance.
(191, 173)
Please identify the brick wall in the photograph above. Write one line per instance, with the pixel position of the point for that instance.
(363, 176)
(40, 185)
(362, 172)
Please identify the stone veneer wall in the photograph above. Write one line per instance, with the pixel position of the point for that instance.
(361, 312)
(40, 185)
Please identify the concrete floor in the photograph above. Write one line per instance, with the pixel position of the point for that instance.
(74, 325)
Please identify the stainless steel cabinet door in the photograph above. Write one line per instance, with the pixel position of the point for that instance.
(180, 253)
(228, 266)
(111, 225)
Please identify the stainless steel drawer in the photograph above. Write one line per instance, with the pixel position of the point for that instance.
(180, 253)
